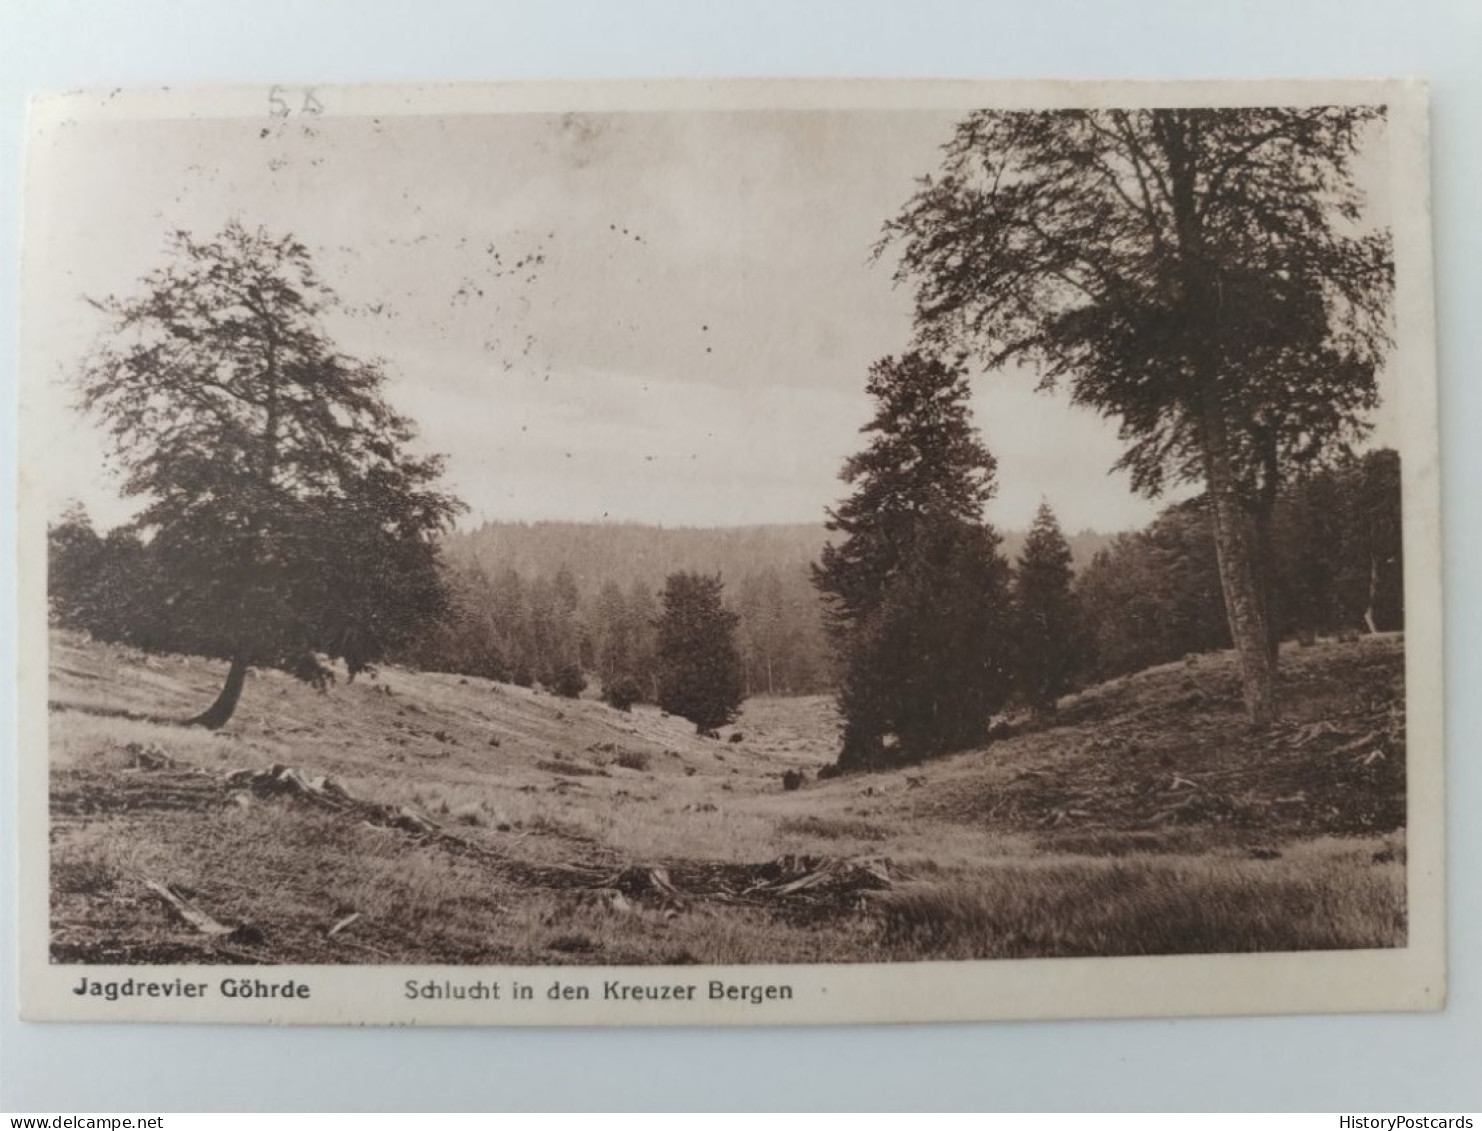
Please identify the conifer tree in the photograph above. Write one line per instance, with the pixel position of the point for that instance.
(1051, 638)
(611, 633)
(699, 665)
(917, 589)
(643, 624)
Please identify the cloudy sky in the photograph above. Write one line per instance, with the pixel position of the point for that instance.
(640, 316)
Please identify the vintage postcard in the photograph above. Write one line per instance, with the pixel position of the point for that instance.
(729, 553)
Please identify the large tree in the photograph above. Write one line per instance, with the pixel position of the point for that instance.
(917, 591)
(1202, 276)
(285, 515)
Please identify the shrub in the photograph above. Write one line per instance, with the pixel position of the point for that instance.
(567, 681)
(632, 760)
(622, 692)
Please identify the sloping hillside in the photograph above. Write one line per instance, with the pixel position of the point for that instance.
(430, 818)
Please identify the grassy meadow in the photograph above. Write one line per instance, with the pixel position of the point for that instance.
(456, 820)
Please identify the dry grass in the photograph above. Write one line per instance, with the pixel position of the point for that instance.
(812, 827)
(1290, 841)
(633, 760)
(1329, 897)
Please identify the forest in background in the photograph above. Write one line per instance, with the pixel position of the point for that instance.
(571, 605)
(1336, 569)
(536, 600)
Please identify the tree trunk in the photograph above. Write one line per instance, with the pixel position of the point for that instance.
(1233, 537)
(859, 755)
(863, 747)
(220, 712)
(1265, 558)
(1369, 621)
(1233, 540)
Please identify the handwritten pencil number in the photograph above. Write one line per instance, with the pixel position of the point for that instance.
(280, 100)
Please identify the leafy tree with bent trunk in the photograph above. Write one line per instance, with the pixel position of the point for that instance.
(285, 518)
(1201, 275)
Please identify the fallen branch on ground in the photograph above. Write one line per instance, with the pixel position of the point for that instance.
(188, 911)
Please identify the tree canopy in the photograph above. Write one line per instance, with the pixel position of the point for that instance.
(1204, 276)
(285, 514)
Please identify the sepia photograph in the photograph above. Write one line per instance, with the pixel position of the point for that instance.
(737, 552)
